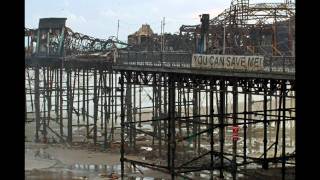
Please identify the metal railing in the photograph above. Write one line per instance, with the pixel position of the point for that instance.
(285, 64)
(279, 64)
(155, 59)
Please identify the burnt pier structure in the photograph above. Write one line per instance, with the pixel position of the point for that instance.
(183, 120)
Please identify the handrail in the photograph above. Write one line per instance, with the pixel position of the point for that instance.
(174, 59)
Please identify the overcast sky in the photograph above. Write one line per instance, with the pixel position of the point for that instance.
(98, 18)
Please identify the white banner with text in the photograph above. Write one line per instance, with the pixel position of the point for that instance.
(217, 61)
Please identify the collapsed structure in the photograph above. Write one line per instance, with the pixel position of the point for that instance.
(247, 29)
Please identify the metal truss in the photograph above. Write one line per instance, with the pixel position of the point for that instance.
(264, 29)
(169, 135)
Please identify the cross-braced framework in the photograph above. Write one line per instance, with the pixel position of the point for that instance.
(75, 102)
(189, 137)
(69, 99)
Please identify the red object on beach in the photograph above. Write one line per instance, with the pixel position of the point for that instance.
(235, 133)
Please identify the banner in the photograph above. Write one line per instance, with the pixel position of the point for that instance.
(217, 61)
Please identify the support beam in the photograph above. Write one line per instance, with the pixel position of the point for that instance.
(171, 127)
(278, 125)
(69, 105)
(235, 120)
(195, 113)
(265, 119)
(245, 125)
(211, 133)
(221, 123)
(37, 101)
(122, 123)
(113, 101)
(251, 133)
(88, 103)
(140, 105)
(95, 106)
(283, 169)
(129, 109)
(134, 116)
(61, 102)
(106, 112)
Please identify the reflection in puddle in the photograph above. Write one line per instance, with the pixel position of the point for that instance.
(86, 171)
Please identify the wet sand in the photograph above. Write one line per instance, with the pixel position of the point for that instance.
(45, 161)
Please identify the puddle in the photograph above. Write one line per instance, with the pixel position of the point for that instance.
(88, 171)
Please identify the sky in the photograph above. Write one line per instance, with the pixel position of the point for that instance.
(99, 18)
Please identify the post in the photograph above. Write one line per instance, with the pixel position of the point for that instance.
(187, 102)
(207, 109)
(61, 102)
(100, 91)
(122, 124)
(87, 77)
(134, 116)
(95, 106)
(250, 103)
(198, 126)
(47, 96)
(165, 105)
(29, 83)
(158, 112)
(265, 141)
(221, 123)
(113, 107)
(245, 125)
(140, 107)
(179, 108)
(69, 105)
(106, 112)
(44, 117)
(211, 132)
(153, 124)
(56, 94)
(78, 82)
(37, 102)
(129, 109)
(171, 129)
(278, 124)
(283, 129)
(25, 101)
(83, 96)
(195, 113)
(235, 117)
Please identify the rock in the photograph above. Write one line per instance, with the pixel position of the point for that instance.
(141, 138)
(113, 175)
(103, 175)
(80, 178)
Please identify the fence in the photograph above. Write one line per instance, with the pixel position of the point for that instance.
(284, 64)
